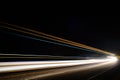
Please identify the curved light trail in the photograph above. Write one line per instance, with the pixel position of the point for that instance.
(59, 67)
(6, 67)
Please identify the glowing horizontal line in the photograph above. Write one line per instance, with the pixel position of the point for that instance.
(18, 66)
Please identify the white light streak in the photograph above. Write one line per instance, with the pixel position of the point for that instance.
(20, 66)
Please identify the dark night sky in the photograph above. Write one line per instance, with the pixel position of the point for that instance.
(98, 31)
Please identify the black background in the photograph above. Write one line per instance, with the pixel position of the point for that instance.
(98, 31)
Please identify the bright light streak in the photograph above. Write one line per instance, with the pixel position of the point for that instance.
(52, 62)
(76, 69)
(93, 64)
(20, 66)
(112, 60)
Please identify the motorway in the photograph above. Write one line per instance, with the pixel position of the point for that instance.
(56, 70)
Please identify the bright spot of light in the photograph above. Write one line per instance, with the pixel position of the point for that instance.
(113, 58)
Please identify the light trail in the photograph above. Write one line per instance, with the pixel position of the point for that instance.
(53, 38)
(20, 66)
(38, 57)
(6, 67)
(52, 68)
(72, 70)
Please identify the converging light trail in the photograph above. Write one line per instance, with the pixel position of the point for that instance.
(18, 66)
(53, 38)
(59, 66)
(37, 65)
